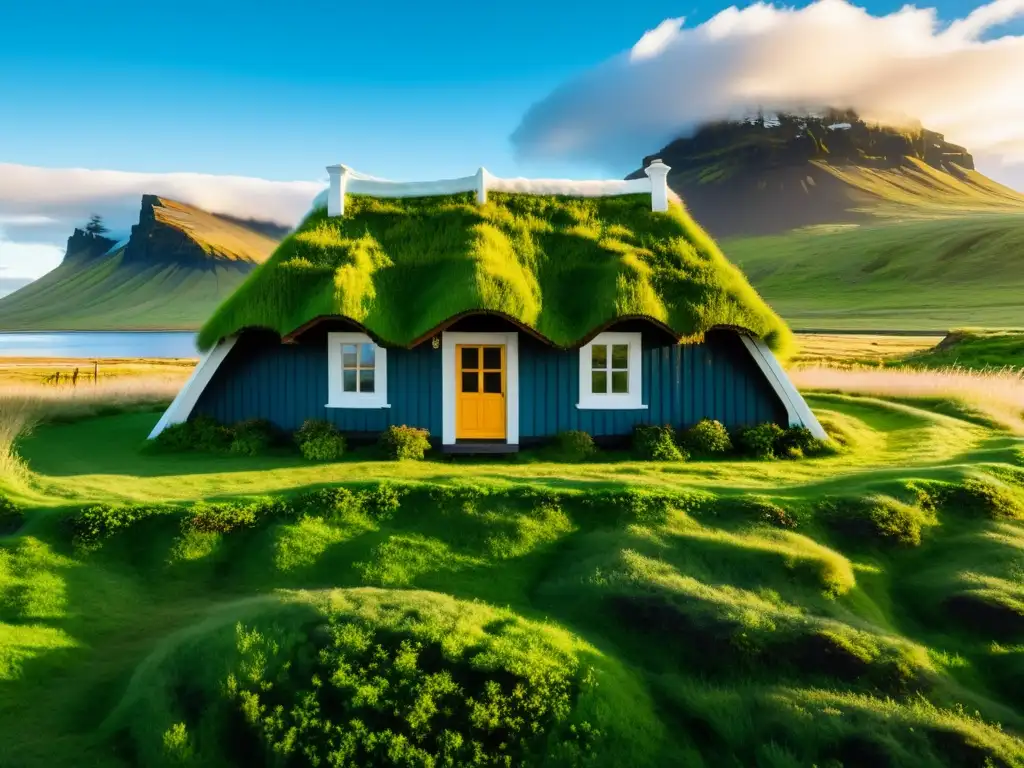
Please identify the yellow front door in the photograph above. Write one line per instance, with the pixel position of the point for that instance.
(480, 392)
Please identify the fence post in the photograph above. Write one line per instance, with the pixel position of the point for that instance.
(481, 186)
(95, 372)
(336, 194)
(657, 171)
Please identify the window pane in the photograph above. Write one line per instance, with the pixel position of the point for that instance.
(492, 358)
(620, 382)
(492, 382)
(349, 381)
(470, 381)
(366, 380)
(366, 355)
(348, 355)
(599, 382)
(599, 356)
(620, 357)
(470, 358)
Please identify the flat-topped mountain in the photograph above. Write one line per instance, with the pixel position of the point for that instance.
(178, 264)
(769, 175)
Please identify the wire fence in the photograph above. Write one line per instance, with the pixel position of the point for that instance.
(75, 377)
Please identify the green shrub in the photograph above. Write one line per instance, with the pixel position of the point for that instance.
(654, 443)
(385, 679)
(402, 442)
(11, 516)
(760, 441)
(708, 437)
(204, 517)
(877, 517)
(201, 433)
(575, 445)
(319, 440)
(977, 498)
(90, 527)
(796, 442)
(773, 514)
(252, 437)
(380, 503)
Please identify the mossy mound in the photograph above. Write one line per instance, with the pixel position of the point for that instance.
(375, 677)
(564, 267)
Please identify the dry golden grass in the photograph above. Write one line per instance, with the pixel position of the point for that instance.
(856, 348)
(34, 370)
(997, 396)
(23, 405)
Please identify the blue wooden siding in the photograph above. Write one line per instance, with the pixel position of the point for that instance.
(682, 384)
(287, 384)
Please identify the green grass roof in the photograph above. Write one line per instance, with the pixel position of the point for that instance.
(563, 266)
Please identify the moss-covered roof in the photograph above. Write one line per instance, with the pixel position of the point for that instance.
(562, 266)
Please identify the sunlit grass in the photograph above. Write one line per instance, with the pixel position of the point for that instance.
(26, 404)
(997, 395)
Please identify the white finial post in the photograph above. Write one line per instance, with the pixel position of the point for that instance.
(481, 185)
(336, 193)
(658, 173)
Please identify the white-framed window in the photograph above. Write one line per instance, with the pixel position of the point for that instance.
(357, 372)
(610, 375)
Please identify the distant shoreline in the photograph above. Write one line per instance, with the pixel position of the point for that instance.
(108, 330)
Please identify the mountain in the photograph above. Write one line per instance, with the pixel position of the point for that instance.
(177, 265)
(844, 225)
(766, 176)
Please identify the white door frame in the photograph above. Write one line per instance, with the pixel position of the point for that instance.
(449, 341)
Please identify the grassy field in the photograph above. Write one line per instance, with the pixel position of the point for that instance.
(913, 274)
(971, 349)
(33, 370)
(860, 609)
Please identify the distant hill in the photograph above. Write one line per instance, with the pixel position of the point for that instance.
(932, 275)
(760, 177)
(844, 225)
(177, 265)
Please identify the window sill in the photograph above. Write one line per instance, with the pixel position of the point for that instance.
(597, 405)
(355, 404)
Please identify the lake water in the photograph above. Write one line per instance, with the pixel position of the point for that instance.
(93, 344)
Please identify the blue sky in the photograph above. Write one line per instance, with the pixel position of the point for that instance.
(399, 89)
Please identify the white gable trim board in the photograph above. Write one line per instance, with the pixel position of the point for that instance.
(797, 410)
(449, 340)
(186, 399)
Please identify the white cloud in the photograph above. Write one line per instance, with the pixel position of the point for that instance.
(901, 66)
(44, 205)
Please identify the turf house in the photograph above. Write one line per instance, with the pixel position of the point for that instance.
(494, 313)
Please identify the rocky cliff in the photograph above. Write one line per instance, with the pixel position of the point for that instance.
(85, 246)
(169, 231)
(767, 175)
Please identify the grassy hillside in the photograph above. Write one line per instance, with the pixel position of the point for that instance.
(978, 350)
(861, 609)
(179, 264)
(930, 274)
